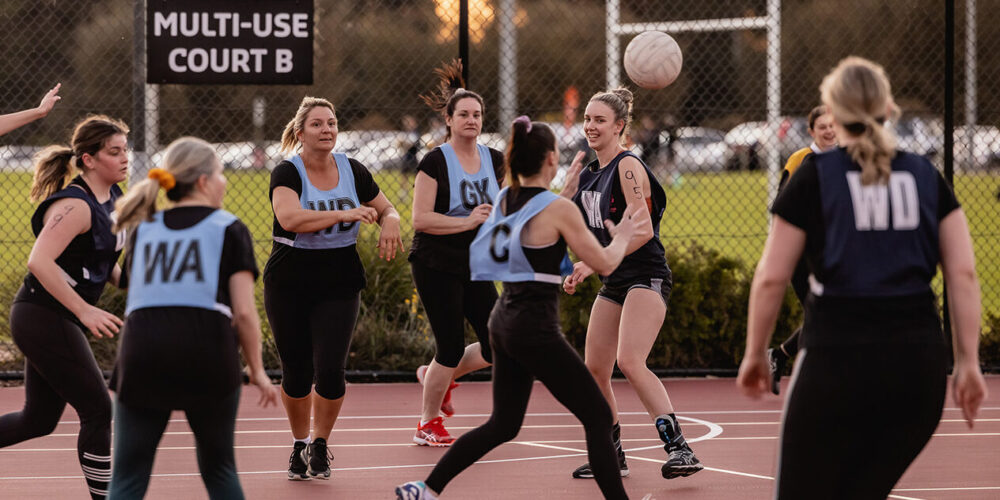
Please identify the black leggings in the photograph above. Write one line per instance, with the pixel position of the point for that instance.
(448, 299)
(856, 417)
(138, 431)
(519, 357)
(60, 368)
(313, 336)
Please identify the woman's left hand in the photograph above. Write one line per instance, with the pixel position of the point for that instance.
(754, 376)
(268, 393)
(389, 241)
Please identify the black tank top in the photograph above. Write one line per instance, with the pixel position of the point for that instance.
(545, 259)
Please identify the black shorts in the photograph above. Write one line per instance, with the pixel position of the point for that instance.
(617, 292)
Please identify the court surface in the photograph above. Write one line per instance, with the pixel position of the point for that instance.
(735, 437)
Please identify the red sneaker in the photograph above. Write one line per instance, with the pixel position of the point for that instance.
(433, 433)
(447, 408)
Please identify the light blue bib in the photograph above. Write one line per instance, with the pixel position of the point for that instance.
(496, 253)
(342, 197)
(178, 267)
(467, 191)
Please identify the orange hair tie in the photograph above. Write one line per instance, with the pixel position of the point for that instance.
(166, 179)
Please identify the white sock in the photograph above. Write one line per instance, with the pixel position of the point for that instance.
(306, 440)
(423, 422)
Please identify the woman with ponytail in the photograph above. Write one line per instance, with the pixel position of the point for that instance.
(630, 307)
(190, 272)
(74, 255)
(873, 224)
(453, 194)
(522, 244)
(314, 277)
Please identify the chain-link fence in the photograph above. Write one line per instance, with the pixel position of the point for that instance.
(716, 138)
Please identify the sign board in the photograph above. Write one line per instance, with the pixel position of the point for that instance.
(229, 41)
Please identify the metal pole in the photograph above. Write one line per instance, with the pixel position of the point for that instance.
(949, 131)
(463, 39)
(508, 63)
(612, 45)
(140, 157)
(971, 111)
(773, 94)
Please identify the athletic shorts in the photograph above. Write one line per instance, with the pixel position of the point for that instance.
(616, 293)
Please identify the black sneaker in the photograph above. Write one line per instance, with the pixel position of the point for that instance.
(776, 365)
(297, 467)
(319, 459)
(584, 472)
(681, 462)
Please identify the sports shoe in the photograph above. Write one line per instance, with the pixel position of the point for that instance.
(297, 468)
(319, 459)
(776, 365)
(447, 408)
(414, 490)
(433, 433)
(584, 472)
(681, 462)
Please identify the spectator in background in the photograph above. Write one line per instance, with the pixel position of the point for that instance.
(411, 144)
(648, 138)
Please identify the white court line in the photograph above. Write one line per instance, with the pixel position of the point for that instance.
(484, 415)
(969, 488)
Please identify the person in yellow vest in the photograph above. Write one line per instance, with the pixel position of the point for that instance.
(824, 139)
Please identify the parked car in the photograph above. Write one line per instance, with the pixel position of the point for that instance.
(749, 142)
(697, 149)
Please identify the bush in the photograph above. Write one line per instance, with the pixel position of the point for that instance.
(705, 325)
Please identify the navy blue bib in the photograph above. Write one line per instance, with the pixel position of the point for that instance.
(89, 259)
(597, 201)
(881, 239)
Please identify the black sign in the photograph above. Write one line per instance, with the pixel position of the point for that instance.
(229, 41)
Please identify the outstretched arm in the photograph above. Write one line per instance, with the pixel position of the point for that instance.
(21, 118)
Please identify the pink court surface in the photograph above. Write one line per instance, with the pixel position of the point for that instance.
(736, 438)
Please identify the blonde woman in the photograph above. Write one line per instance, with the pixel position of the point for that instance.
(190, 274)
(74, 255)
(314, 277)
(631, 306)
(873, 224)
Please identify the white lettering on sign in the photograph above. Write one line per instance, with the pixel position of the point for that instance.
(228, 24)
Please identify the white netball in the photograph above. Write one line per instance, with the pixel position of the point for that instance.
(653, 60)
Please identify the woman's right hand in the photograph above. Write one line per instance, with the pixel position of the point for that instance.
(99, 322)
(580, 272)
(968, 389)
(573, 176)
(478, 215)
(368, 215)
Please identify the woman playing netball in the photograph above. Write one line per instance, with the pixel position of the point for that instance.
(453, 194)
(824, 139)
(631, 305)
(74, 255)
(523, 243)
(189, 272)
(314, 277)
(873, 223)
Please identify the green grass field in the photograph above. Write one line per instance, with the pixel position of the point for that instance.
(720, 211)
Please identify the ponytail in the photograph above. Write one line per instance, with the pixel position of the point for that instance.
(859, 95)
(138, 205)
(873, 150)
(52, 171)
(527, 147)
(450, 89)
